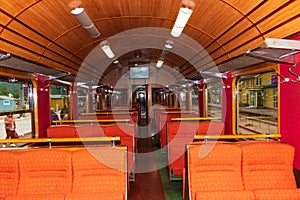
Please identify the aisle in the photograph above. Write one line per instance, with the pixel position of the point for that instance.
(147, 185)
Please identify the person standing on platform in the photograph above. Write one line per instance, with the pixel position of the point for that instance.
(10, 127)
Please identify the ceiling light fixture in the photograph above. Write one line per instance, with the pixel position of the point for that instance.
(159, 63)
(169, 44)
(107, 50)
(182, 18)
(86, 22)
(4, 55)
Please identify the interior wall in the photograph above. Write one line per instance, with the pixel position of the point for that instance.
(43, 93)
(290, 108)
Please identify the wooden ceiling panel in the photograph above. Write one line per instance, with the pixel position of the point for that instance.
(53, 64)
(198, 35)
(18, 51)
(243, 40)
(14, 7)
(289, 28)
(268, 8)
(64, 55)
(28, 34)
(115, 26)
(243, 6)
(18, 40)
(75, 40)
(221, 14)
(282, 16)
(50, 18)
(4, 19)
(239, 29)
(225, 28)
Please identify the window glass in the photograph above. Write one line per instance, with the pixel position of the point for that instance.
(195, 103)
(257, 104)
(16, 98)
(214, 99)
(59, 100)
(83, 100)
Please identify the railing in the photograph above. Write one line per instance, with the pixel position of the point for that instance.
(84, 121)
(240, 136)
(62, 140)
(107, 113)
(194, 119)
(179, 112)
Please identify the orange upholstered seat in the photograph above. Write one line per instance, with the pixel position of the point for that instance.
(9, 173)
(90, 131)
(179, 135)
(230, 195)
(267, 170)
(45, 171)
(268, 166)
(210, 128)
(36, 197)
(61, 131)
(127, 134)
(59, 174)
(165, 118)
(95, 196)
(214, 167)
(100, 171)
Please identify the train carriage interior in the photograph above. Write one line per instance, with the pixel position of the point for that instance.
(148, 99)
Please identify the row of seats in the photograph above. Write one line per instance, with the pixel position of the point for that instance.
(163, 118)
(110, 115)
(127, 133)
(179, 134)
(94, 173)
(250, 170)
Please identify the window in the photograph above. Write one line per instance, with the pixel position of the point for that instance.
(275, 98)
(257, 106)
(195, 104)
(16, 97)
(258, 81)
(59, 100)
(214, 99)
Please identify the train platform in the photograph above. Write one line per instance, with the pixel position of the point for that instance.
(259, 111)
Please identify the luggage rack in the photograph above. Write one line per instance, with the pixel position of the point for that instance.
(273, 50)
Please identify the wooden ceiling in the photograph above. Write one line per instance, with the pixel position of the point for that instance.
(44, 32)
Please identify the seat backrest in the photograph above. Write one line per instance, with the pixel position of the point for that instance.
(90, 131)
(214, 167)
(210, 128)
(61, 131)
(9, 173)
(98, 170)
(45, 171)
(182, 129)
(268, 165)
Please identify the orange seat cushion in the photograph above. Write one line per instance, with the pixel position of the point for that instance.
(268, 165)
(9, 173)
(99, 170)
(278, 194)
(214, 167)
(225, 195)
(61, 131)
(36, 197)
(45, 171)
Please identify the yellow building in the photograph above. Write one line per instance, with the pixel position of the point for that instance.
(257, 91)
